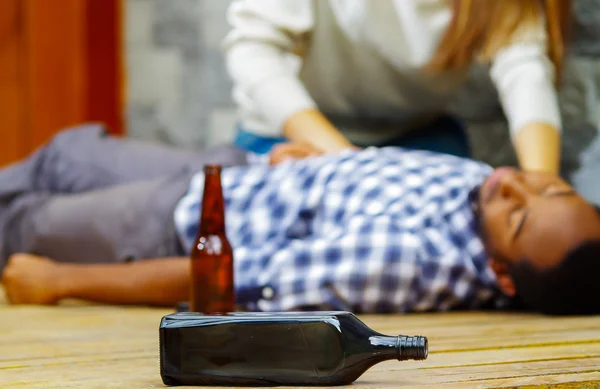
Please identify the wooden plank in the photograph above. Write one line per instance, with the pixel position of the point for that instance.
(114, 347)
(141, 372)
(12, 125)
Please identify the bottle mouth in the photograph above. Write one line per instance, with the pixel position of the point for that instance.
(412, 347)
(212, 169)
(425, 348)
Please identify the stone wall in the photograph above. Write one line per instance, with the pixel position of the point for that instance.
(179, 92)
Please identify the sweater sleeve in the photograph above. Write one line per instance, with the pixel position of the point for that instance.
(258, 50)
(524, 77)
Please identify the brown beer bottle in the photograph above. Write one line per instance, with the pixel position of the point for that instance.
(212, 288)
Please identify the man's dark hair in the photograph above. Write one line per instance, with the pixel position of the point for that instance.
(571, 287)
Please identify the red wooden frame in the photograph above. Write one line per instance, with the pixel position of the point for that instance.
(60, 65)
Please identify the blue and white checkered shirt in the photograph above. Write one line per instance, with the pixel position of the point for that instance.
(377, 230)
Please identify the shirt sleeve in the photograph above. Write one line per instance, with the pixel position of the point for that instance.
(257, 50)
(524, 77)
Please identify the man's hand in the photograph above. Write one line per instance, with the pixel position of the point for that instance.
(29, 279)
(290, 151)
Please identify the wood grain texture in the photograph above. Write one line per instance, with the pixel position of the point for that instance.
(59, 66)
(74, 64)
(88, 346)
(12, 121)
(105, 66)
(56, 82)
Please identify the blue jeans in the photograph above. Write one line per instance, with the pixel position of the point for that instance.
(445, 135)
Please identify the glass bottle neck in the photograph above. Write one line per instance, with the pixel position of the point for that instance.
(212, 220)
(401, 347)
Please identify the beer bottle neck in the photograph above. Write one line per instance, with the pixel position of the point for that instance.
(212, 220)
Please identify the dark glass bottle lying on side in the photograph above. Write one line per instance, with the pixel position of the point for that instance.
(266, 349)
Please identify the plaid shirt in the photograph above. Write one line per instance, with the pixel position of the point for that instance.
(377, 230)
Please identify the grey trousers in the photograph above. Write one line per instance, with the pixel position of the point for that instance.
(86, 197)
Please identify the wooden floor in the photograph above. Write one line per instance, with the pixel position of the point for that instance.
(81, 346)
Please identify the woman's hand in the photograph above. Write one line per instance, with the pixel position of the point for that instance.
(290, 151)
(312, 127)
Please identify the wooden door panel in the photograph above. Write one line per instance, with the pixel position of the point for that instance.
(56, 64)
(13, 140)
(105, 100)
(60, 65)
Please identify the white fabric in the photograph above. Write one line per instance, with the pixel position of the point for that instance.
(365, 59)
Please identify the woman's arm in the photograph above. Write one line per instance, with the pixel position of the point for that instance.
(311, 127)
(258, 49)
(30, 279)
(538, 147)
(525, 79)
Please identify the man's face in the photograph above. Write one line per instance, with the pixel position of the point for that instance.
(534, 216)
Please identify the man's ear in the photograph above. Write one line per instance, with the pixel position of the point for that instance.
(505, 281)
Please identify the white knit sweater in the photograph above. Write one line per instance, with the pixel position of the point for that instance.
(361, 64)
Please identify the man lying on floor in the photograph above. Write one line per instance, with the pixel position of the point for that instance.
(374, 230)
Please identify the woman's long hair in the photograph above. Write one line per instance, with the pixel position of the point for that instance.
(482, 27)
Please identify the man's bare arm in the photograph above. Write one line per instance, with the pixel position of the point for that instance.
(31, 279)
